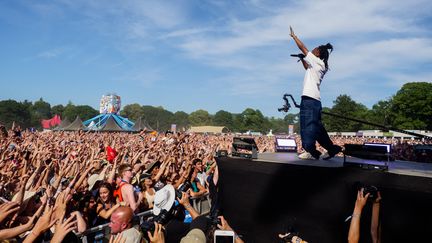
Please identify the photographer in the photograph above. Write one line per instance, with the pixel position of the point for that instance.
(121, 222)
(354, 230)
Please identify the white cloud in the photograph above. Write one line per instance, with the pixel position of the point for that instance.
(53, 53)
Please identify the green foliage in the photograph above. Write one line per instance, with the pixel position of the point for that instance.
(12, 111)
(38, 111)
(58, 110)
(380, 113)
(412, 107)
(224, 118)
(254, 120)
(83, 111)
(157, 117)
(345, 106)
(133, 112)
(409, 108)
(293, 119)
(200, 118)
(181, 118)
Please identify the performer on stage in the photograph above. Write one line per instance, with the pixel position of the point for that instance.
(311, 127)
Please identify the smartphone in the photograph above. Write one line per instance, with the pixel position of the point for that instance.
(224, 236)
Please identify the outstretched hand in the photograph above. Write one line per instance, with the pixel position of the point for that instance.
(8, 208)
(361, 199)
(224, 224)
(292, 32)
(64, 228)
(158, 234)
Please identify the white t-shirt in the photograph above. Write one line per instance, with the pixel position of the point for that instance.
(313, 76)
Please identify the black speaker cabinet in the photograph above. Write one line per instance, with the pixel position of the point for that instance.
(244, 147)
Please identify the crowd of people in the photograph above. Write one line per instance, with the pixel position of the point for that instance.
(55, 186)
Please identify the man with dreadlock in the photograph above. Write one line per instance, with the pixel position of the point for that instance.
(311, 127)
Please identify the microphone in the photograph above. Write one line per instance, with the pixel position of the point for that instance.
(300, 55)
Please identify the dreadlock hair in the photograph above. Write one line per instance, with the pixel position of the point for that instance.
(324, 54)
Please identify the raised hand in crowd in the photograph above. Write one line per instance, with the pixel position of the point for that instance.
(158, 235)
(225, 226)
(354, 230)
(63, 228)
(43, 224)
(375, 220)
(8, 208)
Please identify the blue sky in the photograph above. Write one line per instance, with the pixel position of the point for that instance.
(212, 55)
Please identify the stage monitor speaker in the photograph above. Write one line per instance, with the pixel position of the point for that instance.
(244, 147)
(285, 144)
(372, 155)
(222, 153)
(371, 151)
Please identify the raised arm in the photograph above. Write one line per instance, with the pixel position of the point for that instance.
(299, 43)
(354, 230)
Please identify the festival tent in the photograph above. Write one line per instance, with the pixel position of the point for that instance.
(109, 122)
(111, 126)
(141, 125)
(76, 125)
(64, 123)
(209, 129)
(48, 123)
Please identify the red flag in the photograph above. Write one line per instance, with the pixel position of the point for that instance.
(111, 154)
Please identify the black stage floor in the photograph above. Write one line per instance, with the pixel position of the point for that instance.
(276, 192)
(395, 167)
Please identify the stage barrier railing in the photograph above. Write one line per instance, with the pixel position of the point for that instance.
(201, 204)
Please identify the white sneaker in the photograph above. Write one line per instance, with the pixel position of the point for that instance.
(306, 156)
(325, 156)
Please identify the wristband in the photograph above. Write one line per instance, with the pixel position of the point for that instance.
(188, 206)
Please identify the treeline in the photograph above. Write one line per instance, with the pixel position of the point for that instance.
(410, 109)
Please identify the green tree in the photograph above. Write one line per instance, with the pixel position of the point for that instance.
(345, 106)
(412, 106)
(38, 111)
(13, 111)
(238, 123)
(86, 112)
(58, 110)
(293, 119)
(224, 118)
(200, 118)
(278, 125)
(254, 120)
(83, 111)
(158, 118)
(380, 113)
(133, 112)
(181, 118)
(70, 111)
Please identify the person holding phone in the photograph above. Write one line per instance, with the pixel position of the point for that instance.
(225, 233)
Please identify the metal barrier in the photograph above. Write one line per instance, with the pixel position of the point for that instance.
(104, 227)
(201, 204)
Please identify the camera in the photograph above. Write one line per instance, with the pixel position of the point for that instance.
(163, 218)
(215, 221)
(372, 190)
(285, 108)
(183, 188)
